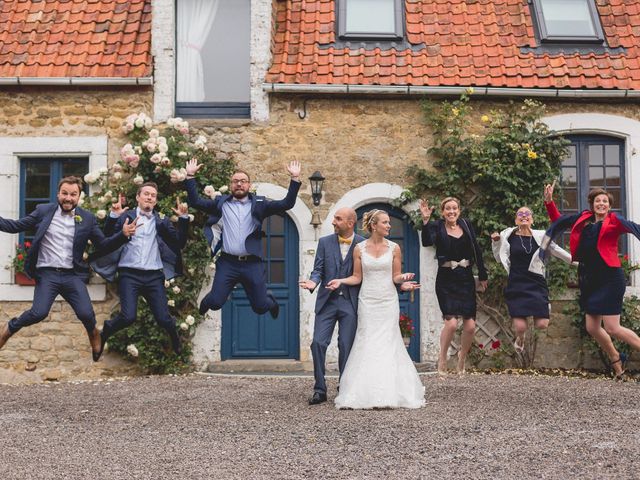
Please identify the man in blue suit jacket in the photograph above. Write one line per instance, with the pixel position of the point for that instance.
(56, 261)
(241, 214)
(334, 259)
(144, 264)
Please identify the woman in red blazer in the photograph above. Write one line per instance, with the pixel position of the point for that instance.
(594, 243)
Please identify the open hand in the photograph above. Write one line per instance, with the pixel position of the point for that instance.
(129, 229)
(405, 277)
(425, 210)
(548, 192)
(307, 284)
(294, 170)
(117, 207)
(334, 284)
(495, 236)
(192, 167)
(409, 286)
(182, 209)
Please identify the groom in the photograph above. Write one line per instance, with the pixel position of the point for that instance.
(334, 259)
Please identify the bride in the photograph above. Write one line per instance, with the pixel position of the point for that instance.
(379, 372)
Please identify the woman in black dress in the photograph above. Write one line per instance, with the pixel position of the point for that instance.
(594, 243)
(457, 251)
(526, 292)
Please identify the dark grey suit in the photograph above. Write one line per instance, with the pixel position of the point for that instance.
(339, 306)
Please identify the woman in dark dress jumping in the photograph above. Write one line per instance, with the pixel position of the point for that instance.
(594, 243)
(526, 293)
(457, 251)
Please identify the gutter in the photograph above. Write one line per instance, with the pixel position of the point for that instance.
(86, 81)
(419, 90)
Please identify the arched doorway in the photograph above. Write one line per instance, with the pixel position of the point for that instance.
(404, 235)
(246, 334)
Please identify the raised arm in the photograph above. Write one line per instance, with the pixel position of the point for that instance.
(195, 200)
(429, 228)
(549, 204)
(287, 203)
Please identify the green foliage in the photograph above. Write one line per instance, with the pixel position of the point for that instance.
(22, 250)
(158, 156)
(494, 164)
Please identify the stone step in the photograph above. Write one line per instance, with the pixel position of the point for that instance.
(264, 366)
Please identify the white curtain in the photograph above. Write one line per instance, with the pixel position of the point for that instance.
(195, 19)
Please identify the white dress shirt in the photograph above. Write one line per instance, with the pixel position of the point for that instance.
(344, 247)
(56, 248)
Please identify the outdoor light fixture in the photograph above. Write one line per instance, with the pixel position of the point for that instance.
(316, 181)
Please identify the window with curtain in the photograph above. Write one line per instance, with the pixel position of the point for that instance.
(39, 179)
(213, 58)
(568, 21)
(594, 161)
(374, 19)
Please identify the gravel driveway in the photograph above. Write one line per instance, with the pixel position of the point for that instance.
(227, 427)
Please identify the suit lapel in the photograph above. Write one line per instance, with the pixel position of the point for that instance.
(336, 250)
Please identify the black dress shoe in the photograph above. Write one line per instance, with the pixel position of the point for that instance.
(203, 308)
(275, 311)
(176, 344)
(317, 398)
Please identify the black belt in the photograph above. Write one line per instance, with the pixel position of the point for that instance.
(57, 269)
(241, 258)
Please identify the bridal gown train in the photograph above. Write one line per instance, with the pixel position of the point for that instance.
(379, 372)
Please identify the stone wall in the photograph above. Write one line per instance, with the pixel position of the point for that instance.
(353, 141)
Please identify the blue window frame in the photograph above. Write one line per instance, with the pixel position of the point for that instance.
(39, 177)
(594, 161)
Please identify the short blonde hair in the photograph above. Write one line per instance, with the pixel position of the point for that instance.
(447, 200)
(370, 218)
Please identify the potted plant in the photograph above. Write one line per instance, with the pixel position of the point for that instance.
(406, 328)
(20, 277)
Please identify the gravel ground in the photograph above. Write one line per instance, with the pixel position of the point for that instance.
(228, 427)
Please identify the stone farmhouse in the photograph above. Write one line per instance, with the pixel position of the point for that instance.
(335, 84)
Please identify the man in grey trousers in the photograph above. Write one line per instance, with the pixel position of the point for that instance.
(334, 259)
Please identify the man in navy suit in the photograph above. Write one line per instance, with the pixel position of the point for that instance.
(143, 264)
(240, 214)
(334, 259)
(55, 258)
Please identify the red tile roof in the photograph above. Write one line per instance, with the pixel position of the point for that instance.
(75, 38)
(454, 43)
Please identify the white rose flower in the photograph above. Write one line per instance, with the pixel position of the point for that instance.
(101, 214)
(117, 175)
(138, 180)
(162, 140)
(176, 289)
(154, 133)
(166, 161)
(90, 178)
(209, 190)
(151, 147)
(171, 303)
(189, 320)
(184, 326)
(139, 123)
(163, 148)
(148, 123)
(172, 281)
(182, 154)
(191, 217)
(132, 350)
(223, 189)
(201, 139)
(155, 158)
(103, 171)
(102, 200)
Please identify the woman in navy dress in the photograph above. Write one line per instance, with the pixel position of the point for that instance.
(526, 293)
(594, 243)
(457, 251)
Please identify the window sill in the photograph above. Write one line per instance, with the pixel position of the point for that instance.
(12, 292)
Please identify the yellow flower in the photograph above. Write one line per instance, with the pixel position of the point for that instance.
(470, 90)
(532, 155)
(455, 111)
(484, 118)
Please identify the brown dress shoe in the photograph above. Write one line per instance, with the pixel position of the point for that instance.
(96, 344)
(5, 335)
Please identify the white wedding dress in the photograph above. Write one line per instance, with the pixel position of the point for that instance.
(379, 372)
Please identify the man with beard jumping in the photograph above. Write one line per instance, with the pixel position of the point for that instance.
(55, 259)
(241, 214)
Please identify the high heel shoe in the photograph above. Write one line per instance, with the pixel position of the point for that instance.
(622, 376)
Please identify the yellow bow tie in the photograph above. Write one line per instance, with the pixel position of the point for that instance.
(346, 241)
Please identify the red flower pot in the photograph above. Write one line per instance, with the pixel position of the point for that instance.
(22, 279)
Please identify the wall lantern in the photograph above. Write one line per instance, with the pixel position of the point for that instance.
(316, 181)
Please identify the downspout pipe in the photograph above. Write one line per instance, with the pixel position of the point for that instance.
(77, 81)
(420, 90)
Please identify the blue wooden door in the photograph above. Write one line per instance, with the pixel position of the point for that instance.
(246, 334)
(406, 236)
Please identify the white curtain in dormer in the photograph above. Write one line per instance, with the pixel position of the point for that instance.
(195, 19)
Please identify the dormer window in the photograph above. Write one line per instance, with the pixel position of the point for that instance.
(370, 19)
(570, 21)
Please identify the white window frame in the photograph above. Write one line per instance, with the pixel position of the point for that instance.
(344, 34)
(12, 149)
